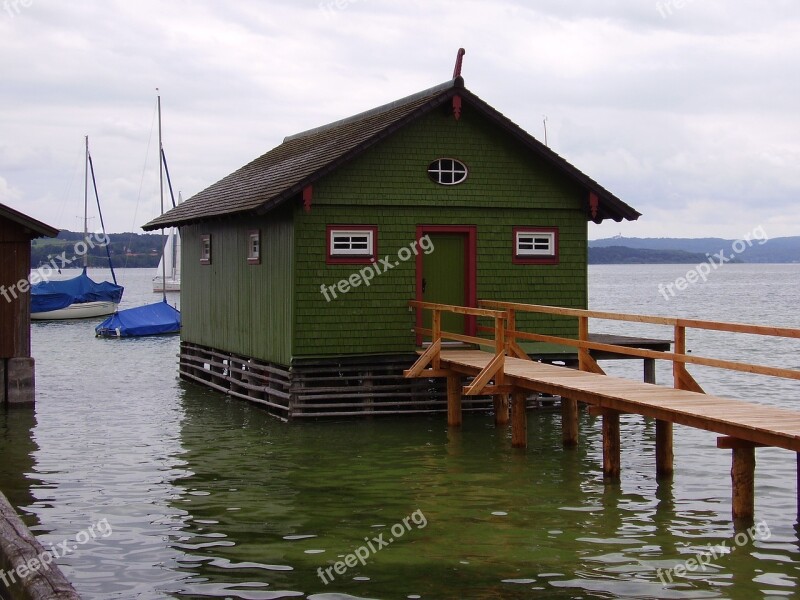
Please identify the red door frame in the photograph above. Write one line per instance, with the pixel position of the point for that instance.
(470, 266)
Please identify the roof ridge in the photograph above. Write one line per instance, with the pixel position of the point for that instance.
(458, 82)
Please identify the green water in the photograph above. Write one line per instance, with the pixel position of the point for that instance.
(209, 497)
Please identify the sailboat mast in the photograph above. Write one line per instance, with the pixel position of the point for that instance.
(161, 192)
(86, 203)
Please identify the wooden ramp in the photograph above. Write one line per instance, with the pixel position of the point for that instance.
(762, 425)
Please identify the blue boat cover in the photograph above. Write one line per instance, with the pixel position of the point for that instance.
(53, 295)
(151, 319)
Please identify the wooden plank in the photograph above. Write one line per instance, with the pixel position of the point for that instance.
(462, 310)
(729, 443)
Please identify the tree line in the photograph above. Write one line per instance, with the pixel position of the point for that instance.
(128, 250)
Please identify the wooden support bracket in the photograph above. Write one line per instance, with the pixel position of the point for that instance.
(494, 367)
(424, 360)
(516, 351)
(686, 381)
(589, 364)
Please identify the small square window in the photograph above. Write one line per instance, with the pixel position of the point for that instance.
(205, 249)
(535, 245)
(351, 244)
(253, 247)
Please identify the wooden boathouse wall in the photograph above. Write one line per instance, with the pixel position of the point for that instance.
(16, 365)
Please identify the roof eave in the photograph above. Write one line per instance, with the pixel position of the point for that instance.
(34, 226)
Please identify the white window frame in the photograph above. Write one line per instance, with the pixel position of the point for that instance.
(254, 246)
(435, 171)
(351, 252)
(535, 237)
(205, 249)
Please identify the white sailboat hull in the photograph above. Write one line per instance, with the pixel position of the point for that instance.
(173, 285)
(81, 310)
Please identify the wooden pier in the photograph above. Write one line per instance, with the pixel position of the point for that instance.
(506, 372)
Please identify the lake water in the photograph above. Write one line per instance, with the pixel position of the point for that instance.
(198, 496)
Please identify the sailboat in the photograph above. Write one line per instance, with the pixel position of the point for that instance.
(157, 318)
(170, 263)
(79, 297)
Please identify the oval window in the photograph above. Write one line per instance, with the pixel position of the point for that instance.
(447, 171)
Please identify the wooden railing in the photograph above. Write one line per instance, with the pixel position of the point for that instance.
(679, 357)
(507, 337)
(430, 358)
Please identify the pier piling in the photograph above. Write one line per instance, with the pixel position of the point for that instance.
(664, 453)
(569, 422)
(519, 420)
(454, 400)
(611, 446)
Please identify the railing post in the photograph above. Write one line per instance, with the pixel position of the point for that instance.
(500, 400)
(680, 348)
(499, 345)
(511, 325)
(436, 324)
(583, 336)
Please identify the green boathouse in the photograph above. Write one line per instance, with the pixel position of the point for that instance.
(298, 267)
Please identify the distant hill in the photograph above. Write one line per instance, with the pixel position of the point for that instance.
(127, 250)
(622, 255)
(775, 250)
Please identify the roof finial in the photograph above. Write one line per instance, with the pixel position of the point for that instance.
(459, 60)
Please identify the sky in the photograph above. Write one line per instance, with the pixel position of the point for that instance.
(685, 109)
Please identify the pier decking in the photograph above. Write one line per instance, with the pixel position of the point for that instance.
(508, 370)
(759, 424)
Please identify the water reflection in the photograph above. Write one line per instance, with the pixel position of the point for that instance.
(17, 447)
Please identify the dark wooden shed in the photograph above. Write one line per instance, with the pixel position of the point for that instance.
(16, 365)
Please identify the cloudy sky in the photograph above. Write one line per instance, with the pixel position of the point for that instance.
(689, 110)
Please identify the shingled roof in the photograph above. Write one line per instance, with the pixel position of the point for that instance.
(30, 226)
(302, 159)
